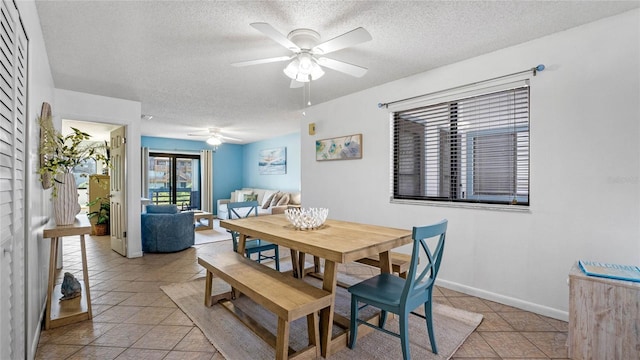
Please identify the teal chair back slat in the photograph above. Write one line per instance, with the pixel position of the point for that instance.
(245, 209)
(237, 209)
(415, 284)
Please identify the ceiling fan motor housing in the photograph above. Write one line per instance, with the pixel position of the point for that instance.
(306, 39)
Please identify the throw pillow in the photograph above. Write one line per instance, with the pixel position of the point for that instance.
(276, 197)
(241, 193)
(265, 197)
(251, 197)
(267, 200)
(284, 200)
(295, 198)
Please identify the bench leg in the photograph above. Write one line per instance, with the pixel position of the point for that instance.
(282, 341)
(313, 329)
(403, 275)
(207, 289)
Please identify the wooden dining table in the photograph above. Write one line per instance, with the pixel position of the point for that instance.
(335, 242)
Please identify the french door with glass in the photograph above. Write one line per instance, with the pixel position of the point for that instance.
(174, 179)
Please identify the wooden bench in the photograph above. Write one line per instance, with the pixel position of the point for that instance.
(285, 296)
(399, 262)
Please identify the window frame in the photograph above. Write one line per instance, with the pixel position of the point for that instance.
(517, 201)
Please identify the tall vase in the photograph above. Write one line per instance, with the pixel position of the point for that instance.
(65, 203)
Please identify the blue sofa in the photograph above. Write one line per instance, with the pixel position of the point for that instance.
(165, 229)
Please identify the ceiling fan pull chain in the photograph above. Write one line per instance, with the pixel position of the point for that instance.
(309, 84)
(304, 94)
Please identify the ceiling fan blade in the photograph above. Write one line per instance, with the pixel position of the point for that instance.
(350, 69)
(228, 138)
(296, 84)
(353, 37)
(261, 61)
(275, 35)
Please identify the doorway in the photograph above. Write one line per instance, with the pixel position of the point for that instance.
(103, 133)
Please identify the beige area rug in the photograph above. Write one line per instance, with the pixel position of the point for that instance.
(235, 341)
(212, 235)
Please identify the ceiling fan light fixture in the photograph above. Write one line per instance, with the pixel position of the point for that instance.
(214, 140)
(292, 69)
(316, 71)
(305, 62)
(303, 69)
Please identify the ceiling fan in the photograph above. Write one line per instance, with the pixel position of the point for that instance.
(308, 58)
(214, 136)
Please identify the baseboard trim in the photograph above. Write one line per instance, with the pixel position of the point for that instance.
(36, 337)
(507, 300)
(135, 255)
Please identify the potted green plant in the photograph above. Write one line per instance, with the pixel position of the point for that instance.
(101, 215)
(60, 154)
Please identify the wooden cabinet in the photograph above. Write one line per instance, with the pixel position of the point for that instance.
(604, 317)
(98, 187)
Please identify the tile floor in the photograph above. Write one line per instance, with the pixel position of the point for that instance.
(134, 319)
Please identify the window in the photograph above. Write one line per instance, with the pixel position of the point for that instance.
(82, 171)
(174, 179)
(471, 150)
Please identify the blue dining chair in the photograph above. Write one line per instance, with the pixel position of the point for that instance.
(245, 209)
(393, 294)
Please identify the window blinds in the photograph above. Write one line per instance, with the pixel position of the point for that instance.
(472, 149)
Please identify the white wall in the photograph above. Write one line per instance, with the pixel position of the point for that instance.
(585, 166)
(86, 107)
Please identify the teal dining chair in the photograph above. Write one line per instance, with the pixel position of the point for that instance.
(245, 209)
(400, 296)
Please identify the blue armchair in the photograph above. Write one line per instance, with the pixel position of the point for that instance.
(164, 229)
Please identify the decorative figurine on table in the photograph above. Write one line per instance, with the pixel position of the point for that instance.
(70, 287)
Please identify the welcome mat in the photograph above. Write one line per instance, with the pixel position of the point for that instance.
(235, 341)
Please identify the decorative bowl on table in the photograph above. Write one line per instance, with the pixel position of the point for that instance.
(306, 219)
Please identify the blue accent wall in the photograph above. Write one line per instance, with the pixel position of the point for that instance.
(236, 166)
(287, 182)
(227, 162)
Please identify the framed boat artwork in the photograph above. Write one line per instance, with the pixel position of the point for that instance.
(273, 161)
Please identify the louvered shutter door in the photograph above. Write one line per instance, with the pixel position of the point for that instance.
(13, 107)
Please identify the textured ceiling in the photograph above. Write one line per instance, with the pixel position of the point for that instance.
(174, 57)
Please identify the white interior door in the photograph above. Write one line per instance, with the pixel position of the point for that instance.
(118, 216)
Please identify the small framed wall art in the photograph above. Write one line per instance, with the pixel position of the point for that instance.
(273, 161)
(339, 148)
